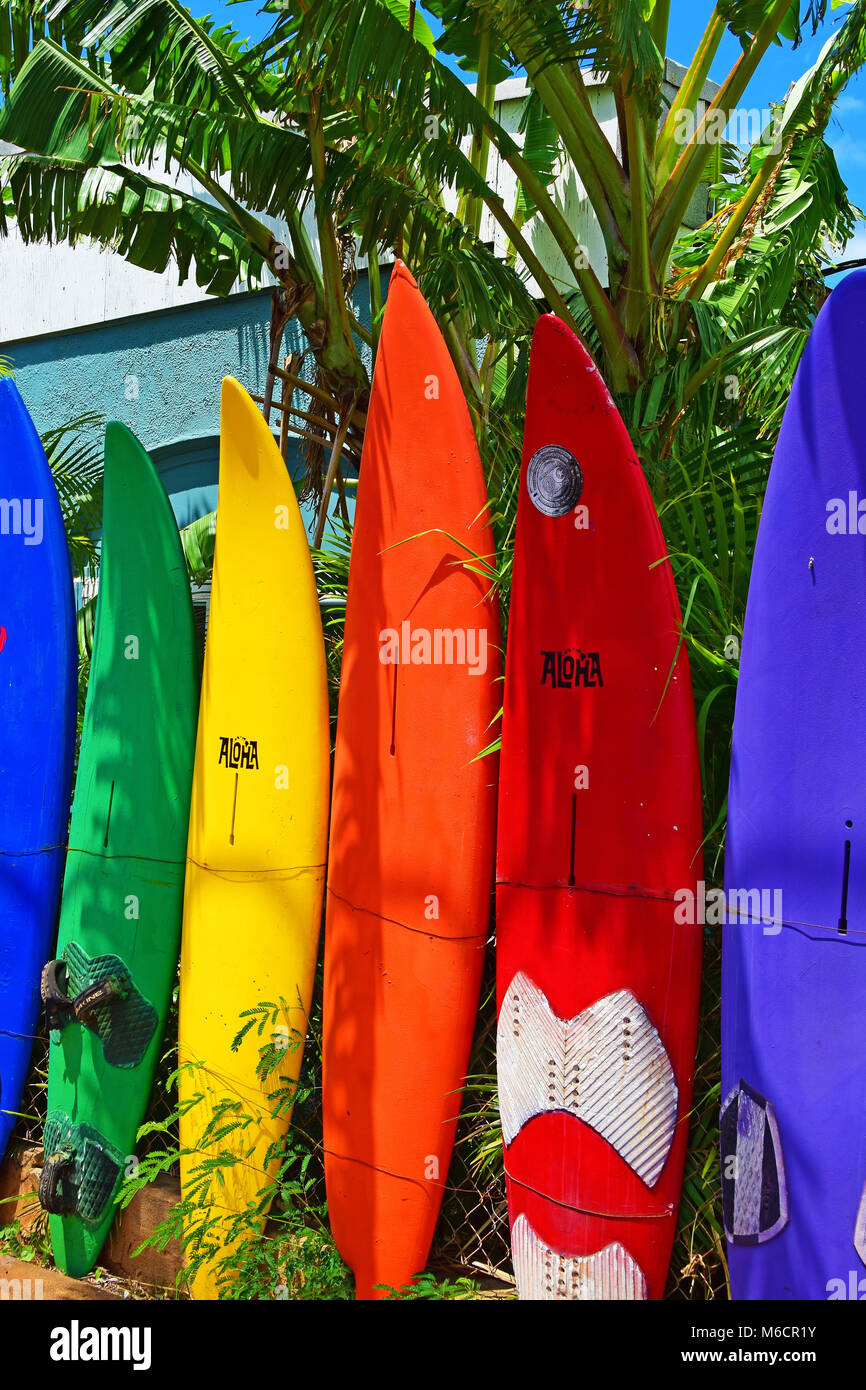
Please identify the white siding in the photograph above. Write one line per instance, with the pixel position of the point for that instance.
(52, 289)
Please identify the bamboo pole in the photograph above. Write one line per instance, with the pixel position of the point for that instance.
(341, 495)
(311, 417)
(352, 444)
(279, 318)
(309, 389)
(346, 447)
(334, 464)
(324, 443)
(286, 393)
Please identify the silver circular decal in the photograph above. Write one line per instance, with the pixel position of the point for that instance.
(554, 480)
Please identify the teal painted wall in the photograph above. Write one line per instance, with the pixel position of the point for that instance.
(160, 374)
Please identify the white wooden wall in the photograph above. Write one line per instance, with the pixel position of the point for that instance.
(47, 289)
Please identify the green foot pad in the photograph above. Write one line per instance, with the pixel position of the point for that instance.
(81, 1171)
(100, 993)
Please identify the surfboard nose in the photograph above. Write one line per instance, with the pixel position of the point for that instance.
(402, 272)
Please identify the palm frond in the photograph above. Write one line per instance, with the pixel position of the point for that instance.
(149, 223)
(74, 452)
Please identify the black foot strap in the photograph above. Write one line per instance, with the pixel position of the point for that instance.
(81, 1171)
(52, 1194)
(55, 1000)
(99, 993)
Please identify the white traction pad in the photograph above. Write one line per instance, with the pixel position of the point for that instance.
(608, 1067)
(542, 1273)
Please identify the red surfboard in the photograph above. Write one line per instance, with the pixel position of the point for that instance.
(599, 829)
(413, 819)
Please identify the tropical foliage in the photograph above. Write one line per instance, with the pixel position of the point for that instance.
(346, 131)
(74, 453)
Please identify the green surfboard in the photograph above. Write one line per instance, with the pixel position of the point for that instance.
(108, 992)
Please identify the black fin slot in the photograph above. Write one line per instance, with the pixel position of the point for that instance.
(393, 749)
(108, 818)
(846, 870)
(234, 811)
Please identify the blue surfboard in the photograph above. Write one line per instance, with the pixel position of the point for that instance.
(38, 655)
(793, 1122)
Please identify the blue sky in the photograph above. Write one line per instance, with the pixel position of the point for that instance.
(781, 67)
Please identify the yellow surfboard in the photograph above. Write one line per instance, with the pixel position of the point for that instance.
(258, 833)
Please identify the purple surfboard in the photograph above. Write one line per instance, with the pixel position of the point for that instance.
(793, 1122)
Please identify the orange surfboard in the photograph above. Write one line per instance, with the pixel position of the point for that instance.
(413, 819)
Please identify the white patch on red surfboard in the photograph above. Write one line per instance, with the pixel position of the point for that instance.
(545, 1274)
(607, 1066)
